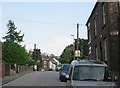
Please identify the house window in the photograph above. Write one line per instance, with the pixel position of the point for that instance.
(88, 26)
(90, 50)
(96, 53)
(105, 49)
(89, 37)
(45, 62)
(101, 52)
(103, 14)
(95, 26)
(89, 33)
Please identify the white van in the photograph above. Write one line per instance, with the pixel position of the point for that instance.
(90, 74)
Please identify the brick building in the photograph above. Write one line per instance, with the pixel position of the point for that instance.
(45, 64)
(103, 28)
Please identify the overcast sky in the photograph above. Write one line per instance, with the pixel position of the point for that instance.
(47, 24)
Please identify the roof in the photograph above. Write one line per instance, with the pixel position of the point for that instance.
(92, 12)
(88, 62)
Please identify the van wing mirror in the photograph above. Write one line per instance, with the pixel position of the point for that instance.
(116, 78)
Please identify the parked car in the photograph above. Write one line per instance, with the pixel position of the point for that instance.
(64, 70)
(90, 74)
(58, 67)
(50, 69)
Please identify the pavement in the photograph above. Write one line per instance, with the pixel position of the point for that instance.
(6, 79)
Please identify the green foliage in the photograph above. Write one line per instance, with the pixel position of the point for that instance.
(12, 34)
(83, 47)
(31, 63)
(67, 55)
(36, 56)
(13, 53)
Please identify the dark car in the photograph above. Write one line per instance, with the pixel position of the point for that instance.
(64, 70)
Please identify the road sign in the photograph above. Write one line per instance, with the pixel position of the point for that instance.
(77, 53)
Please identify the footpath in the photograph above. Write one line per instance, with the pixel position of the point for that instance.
(6, 79)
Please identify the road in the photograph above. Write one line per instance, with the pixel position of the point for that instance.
(46, 78)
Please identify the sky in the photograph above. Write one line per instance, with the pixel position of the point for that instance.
(49, 25)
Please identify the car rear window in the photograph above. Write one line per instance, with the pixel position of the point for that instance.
(65, 67)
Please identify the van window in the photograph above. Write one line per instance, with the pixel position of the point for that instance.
(92, 73)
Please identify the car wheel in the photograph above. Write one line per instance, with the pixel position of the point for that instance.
(62, 80)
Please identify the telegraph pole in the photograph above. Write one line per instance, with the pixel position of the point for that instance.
(77, 51)
(77, 36)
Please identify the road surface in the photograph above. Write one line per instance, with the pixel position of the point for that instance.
(38, 78)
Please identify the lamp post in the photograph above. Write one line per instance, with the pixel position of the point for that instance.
(73, 38)
(77, 51)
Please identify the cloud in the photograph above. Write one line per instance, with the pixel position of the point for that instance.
(55, 46)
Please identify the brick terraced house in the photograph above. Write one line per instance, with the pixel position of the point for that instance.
(103, 28)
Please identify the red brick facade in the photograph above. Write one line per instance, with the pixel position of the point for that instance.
(103, 34)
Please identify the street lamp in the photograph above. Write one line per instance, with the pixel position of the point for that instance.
(73, 38)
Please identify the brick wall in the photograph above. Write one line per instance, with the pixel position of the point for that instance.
(109, 32)
(4, 69)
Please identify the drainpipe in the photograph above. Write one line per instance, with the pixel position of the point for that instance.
(119, 40)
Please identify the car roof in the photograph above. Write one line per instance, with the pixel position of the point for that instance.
(88, 63)
(65, 64)
(62, 65)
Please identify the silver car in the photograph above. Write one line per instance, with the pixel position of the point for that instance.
(90, 74)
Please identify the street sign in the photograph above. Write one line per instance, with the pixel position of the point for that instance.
(77, 53)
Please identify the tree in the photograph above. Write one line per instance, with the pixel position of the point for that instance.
(51, 56)
(12, 34)
(67, 54)
(13, 53)
(36, 56)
